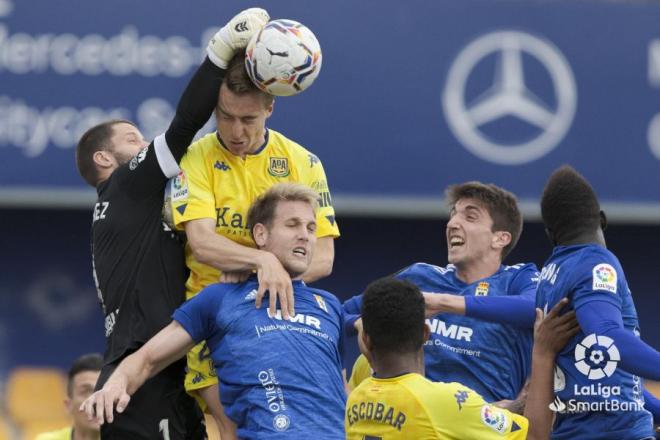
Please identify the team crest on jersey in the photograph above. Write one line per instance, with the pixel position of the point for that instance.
(604, 278)
(482, 289)
(494, 418)
(278, 166)
(321, 302)
(179, 188)
(135, 161)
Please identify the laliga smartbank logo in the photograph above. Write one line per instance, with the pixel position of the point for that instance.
(602, 358)
(596, 357)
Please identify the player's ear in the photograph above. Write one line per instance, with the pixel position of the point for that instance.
(260, 234)
(603, 220)
(68, 405)
(501, 239)
(104, 159)
(427, 332)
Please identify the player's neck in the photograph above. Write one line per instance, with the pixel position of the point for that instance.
(470, 273)
(590, 238)
(396, 364)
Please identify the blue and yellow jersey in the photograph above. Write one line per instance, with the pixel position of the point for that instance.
(62, 434)
(361, 372)
(216, 184)
(412, 407)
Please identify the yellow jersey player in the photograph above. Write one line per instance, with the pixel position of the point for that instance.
(82, 378)
(361, 372)
(399, 402)
(222, 174)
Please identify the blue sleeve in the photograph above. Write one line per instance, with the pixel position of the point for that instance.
(597, 280)
(652, 404)
(514, 310)
(349, 324)
(604, 318)
(353, 306)
(197, 315)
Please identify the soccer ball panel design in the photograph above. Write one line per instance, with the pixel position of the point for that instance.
(284, 58)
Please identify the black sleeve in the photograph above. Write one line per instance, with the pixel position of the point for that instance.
(149, 170)
(195, 108)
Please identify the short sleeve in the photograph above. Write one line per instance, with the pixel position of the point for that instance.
(191, 190)
(313, 175)
(472, 417)
(525, 282)
(197, 315)
(597, 278)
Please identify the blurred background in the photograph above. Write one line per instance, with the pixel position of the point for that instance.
(412, 96)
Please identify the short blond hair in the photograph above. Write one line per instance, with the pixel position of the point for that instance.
(263, 208)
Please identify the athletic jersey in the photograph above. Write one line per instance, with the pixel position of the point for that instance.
(138, 261)
(217, 184)
(361, 372)
(492, 359)
(588, 384)
(278, 379)
(62, 434)
(412, 407)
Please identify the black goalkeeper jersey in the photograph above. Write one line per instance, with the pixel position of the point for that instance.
(138, 261)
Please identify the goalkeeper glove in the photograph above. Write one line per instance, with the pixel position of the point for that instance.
(235, 35)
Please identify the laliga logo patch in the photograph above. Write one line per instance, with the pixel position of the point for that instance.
(179, 189)
(482, 289)
(133, 164)
(604, 278)
(493, 418)
(281, 422)
(278, 166)
(596, 357)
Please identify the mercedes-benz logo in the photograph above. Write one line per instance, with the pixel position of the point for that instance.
(509, 96)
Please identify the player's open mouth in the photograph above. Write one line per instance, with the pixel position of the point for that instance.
(456, 241)
(300, 251)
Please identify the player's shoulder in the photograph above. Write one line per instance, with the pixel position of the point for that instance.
(425, 270)
(520, 267)
(291, 148)
(203, 146)
(231, 292)
(585, 258)
(324, 298)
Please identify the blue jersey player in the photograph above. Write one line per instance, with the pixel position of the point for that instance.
(278, 378)
(597, 376)
(491, 358)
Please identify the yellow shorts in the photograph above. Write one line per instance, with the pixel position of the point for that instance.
(200, 372)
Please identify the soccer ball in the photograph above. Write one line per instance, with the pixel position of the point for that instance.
(284, 58)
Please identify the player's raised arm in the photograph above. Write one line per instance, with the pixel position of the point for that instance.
(550, 335)
(170, 344)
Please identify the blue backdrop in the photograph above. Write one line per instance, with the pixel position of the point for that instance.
(412, 95)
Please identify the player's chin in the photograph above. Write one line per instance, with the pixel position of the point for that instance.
(297, 265)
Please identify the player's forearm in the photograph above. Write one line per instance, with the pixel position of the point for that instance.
(540, 396)
(133, 371)
(195, 107)
(514, 310)
(322, 260)
(222, 253)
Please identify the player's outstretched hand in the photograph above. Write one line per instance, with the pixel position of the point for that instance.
(553, 332)
(235, 35)
(100, 405)
(277, 282)
(443, 303)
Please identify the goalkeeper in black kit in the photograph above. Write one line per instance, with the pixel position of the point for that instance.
(138, 262)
